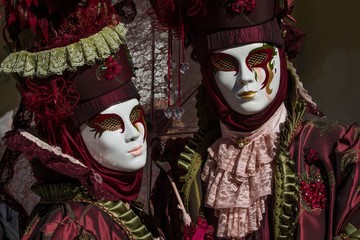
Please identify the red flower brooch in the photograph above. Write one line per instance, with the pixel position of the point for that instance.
(311, 156)
(238, 6)
(312, 187)
(110, 69)
(200, 231)
(313, 192)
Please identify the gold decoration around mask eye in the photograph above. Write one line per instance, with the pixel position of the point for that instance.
(256, 59)
(225, 62)
(136, 114)
(105, 122)
(110, 124)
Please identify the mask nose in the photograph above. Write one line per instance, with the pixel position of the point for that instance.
(245, 75)
(131, 133)
(242, 81)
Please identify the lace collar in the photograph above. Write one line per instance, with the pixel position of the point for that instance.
(239, 174)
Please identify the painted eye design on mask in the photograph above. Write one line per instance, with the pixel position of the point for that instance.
(259, 58)
(225, 62)
(105, 122)
(137, 116)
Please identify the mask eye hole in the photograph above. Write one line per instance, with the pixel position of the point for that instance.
(106, 122)
(258, 58)
(111, 124)
(224, 62)
(136, 114)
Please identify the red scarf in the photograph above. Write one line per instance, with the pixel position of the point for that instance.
(116, 185)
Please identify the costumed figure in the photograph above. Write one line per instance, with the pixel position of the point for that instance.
(79, 123)
(269, 165)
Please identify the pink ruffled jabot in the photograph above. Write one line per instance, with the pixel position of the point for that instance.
(239, 176)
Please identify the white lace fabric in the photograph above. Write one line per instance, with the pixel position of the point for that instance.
(239, 178)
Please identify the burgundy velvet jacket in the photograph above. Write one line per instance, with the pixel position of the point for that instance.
(316, 189)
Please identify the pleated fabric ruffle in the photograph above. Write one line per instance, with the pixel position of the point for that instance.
(240, 178)
(55, 61)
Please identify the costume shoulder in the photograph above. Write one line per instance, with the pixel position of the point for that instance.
(328, 135)
(328, 126)
(72, 221)
(66, 210)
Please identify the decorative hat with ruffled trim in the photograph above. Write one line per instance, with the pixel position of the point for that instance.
(219, 24)
(81, 41)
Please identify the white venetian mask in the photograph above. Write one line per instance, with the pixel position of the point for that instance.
(248, 76)
(116, 138)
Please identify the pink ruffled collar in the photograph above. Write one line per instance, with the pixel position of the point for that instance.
(239, 176)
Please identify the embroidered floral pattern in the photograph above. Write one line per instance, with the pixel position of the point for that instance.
(331, 178)
(314, 193)
(348, 162)
(312, 187)
(311, 156)
(357, 133)
(324, 125)
(238, 6)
